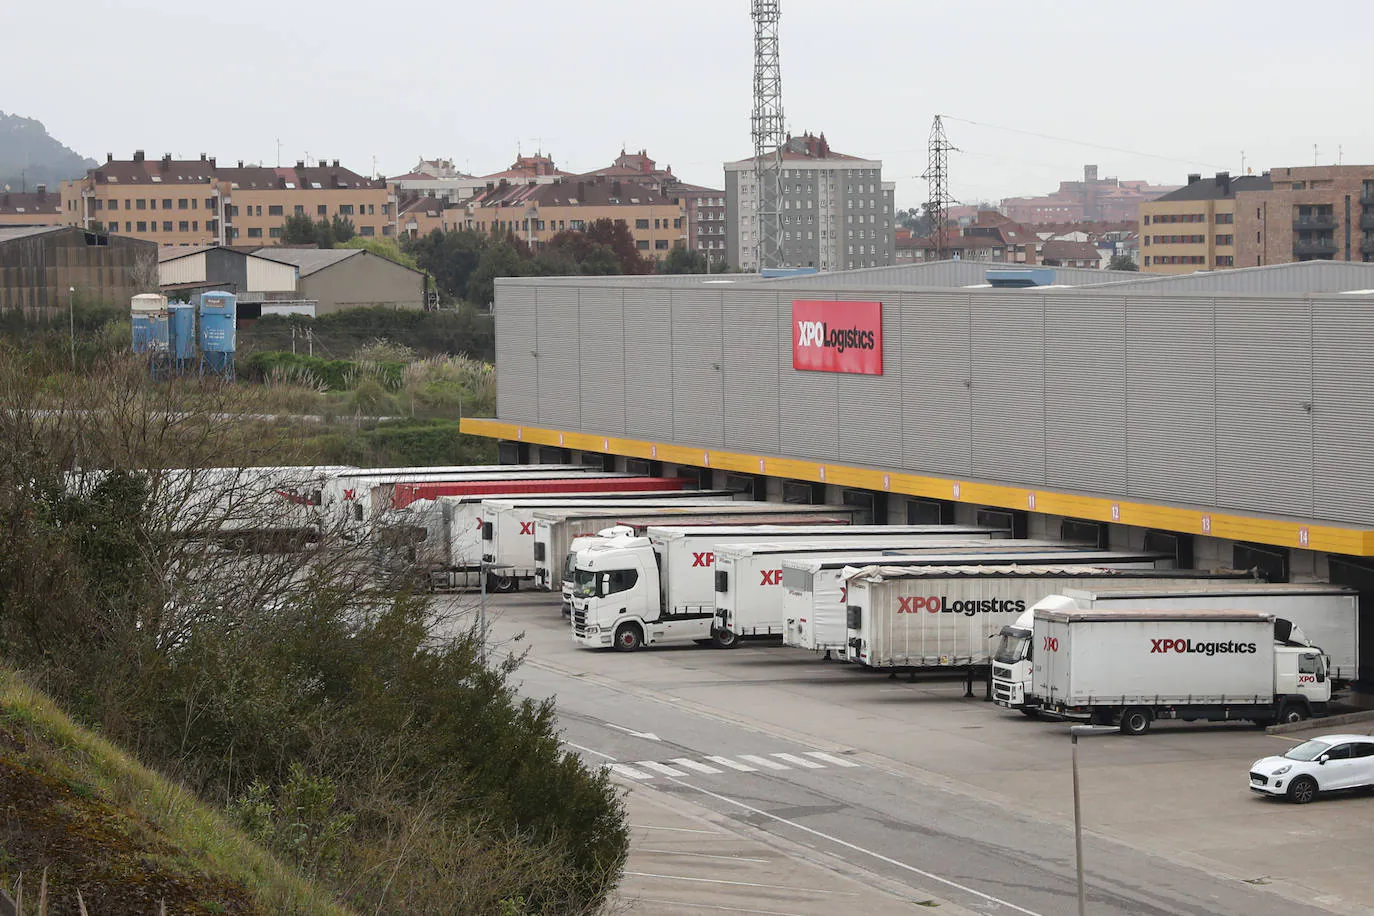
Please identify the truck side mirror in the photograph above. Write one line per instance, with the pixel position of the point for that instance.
(1321, 675)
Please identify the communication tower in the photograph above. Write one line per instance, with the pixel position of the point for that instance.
(769, 132)
(937, 174)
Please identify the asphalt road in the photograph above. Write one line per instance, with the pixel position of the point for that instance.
(835, 760)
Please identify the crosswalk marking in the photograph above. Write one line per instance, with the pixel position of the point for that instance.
(659, 768)
(733, 764)
(800, 761)
(764, 762)
(831, 759)
(628, 771)
(693, 765)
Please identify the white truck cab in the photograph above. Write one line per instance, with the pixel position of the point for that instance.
(617, 599)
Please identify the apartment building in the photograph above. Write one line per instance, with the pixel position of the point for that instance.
(198, 202)
(1194, 228)
(1307, 213)
(705, 206)
(837, 212)
(537, 212)
(33, 208)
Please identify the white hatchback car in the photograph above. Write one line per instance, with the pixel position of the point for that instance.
(1330, 763)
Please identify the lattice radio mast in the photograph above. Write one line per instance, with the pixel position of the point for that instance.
(937, 174)
(769, 132)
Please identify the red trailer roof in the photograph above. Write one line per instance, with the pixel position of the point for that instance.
(407, 493)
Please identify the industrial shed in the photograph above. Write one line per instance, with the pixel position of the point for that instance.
(248, 276)
(342, 278)
(42, 266)
(1223, 417)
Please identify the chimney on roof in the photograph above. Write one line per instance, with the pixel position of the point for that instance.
(202, 157)
(166, 161)
(1223, 180)
(300, 163)
(581, 189)
(336, 163)
(138, 155)
(1194, 177)
(42, 191)
(212, 162)
(109, 157)
(240, 163)
(334, 179)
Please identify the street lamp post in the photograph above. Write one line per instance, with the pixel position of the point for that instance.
(1074, 732)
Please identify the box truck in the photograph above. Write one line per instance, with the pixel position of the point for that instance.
(1305, 615)
(1130, 667)
(405, 493)
(947, 610)
(507, 530)
(748, 579)
(659, 588)
(814, 592)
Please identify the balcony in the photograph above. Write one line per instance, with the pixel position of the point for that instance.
(1367, 219)
(1367, 197)
(1367, 246)
(1314, 223)
(1324, 246)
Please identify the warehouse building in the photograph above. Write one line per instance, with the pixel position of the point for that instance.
(343, 278)
(1230, 428)
(45, 268)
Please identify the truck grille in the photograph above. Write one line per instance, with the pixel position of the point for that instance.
(1001, 692)
(1001, 671)
(579, 620)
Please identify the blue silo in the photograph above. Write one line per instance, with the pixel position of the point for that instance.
(218, 311)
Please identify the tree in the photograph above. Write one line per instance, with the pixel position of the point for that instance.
(1122, 262)
(684, 261)
(918, 221)
(382, 248)
(500, 259)
(299, 229)
(615, 235)
(449, 257)
(340, 230)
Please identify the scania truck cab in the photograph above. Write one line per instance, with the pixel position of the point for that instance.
(620, 600)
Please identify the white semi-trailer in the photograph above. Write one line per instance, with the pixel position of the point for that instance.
(1305, 614)
(749, 577)
(946, 613)
(814, 591)
(508, 524)
(1130, 667)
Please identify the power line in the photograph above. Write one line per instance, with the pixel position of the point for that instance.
(1101, 146)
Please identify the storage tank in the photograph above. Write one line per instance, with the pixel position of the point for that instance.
(182, 332)
(148, 315)
(217, 339)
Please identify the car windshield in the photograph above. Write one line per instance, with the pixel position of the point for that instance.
(584, 583)
(1308, 750)
(1012, 647)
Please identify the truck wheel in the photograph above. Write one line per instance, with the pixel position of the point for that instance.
(1135, 720)
(724, 639)
(1291, 712)
(628, 637)
(502, 584)
(1302, 790)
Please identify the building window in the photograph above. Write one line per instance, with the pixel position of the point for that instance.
(274, 210)
(275, 232)
(323, 210)
(1224, 219)
(1226, 260)
(300, 210)
(345, 209)
(142, 226)
(167, 203)
(140, 204)
(367, 230)
(195, 225)
(386, 230)
(112, 204)
(167, 226)
(1226, 240)
(661, 244)
(209, 203)
(642, 245)
(183, 226)
(641, 224)
(677, 223)
(255, 232)
(183, 204)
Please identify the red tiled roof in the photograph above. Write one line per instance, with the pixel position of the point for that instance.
(1063, 250)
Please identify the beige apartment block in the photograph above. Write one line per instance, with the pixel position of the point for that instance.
(1194, 227)
(196, 202)
(537, 212)
(1310, 213)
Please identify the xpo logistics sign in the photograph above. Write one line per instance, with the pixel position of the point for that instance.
(837, 336)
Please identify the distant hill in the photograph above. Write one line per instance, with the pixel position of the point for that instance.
(29, 156)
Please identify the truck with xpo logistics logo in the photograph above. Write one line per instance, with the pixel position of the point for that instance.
(508, 524)
(749, 576)
(947, 611)
(1130, 667)
(1305, 614)
(640, 591)
(815, 593)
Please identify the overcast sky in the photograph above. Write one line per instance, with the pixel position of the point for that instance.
(1159, 88)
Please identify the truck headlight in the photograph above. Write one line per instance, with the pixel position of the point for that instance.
(1283, 769)
(592, 631)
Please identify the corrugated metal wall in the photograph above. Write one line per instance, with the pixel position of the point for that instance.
(190, 269)
(1259, 404)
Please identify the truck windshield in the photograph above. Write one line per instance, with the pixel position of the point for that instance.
(584, 583)
(1012, 647)
(570, 567)
(1308, 750)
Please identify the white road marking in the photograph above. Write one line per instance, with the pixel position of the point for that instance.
(699, 855)
(659, 768)
(693, 765)
(764, 762)
(831, 759)
(733, 764)
(774, 887)
(589, 750)
(800, 761)
(859, 849)
(673, 829)
(718, 909)
(621, 769)
(648, 736)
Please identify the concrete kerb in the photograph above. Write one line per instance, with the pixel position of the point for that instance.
(1323, 724)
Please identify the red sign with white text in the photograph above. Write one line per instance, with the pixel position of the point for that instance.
(837, 336)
